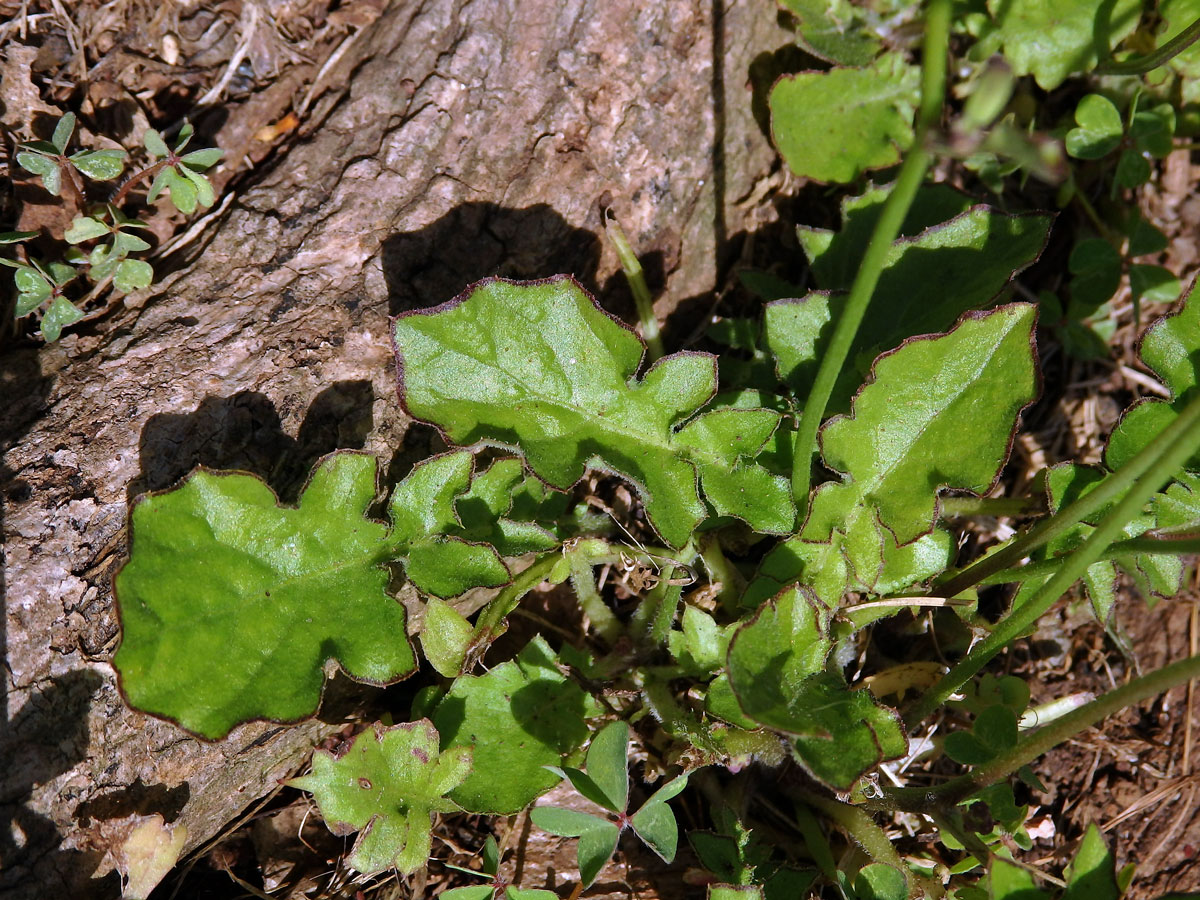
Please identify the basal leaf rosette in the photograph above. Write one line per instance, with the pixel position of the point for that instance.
(540, 367)
(230, 604)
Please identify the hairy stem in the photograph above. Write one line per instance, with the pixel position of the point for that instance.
(637, 284)
(873, 839)
(1155, 465)
(912, 173)
(963, 507)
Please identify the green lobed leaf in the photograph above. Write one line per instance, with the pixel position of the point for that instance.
(60, 313)
(1098, 130)
(439, 559)
(1171, 348)
(1053, 40)
(487, 514)
(929, 280)
(230, 604)
(102, 165)
(561, 387)
(834, 30)
(940, 412)
(699, 646)
(445, 637)
(387, 787)
(521, 716)
(866, 115)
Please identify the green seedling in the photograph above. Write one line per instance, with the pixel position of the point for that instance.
(606, 783)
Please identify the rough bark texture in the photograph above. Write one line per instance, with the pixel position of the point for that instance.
(473, 137)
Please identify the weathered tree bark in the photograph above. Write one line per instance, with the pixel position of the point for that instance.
(474, 137)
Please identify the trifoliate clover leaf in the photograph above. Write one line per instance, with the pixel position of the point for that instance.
(230, 604)
(1098, 129)
(865, 114)
(59, 314)
(597, 837)
(1053, 40)
(521, 716)
(155, 145)
(541, 367)
(1171, 348)
(47, 168)
(387, 786)
(102, 165)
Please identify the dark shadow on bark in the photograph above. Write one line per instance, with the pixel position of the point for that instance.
(46, 738)
(244, 432)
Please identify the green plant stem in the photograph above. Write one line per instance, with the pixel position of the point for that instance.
(1161, 56)
(912, 174)
(492, 617)
(1170, 546)
(1155, 466)
(637, 284)
(873, 839)
(1039, 742)
(963, 507)
(1066, 518)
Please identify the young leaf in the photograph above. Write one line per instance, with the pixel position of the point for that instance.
(422, 508)
(597, 838)
(474, 892)
(579, 405)
(521, 716)
(182, 191)
(204, 188)
(1053, 40)
(277, 591)
(700, 647)
(199, 160)
(1170, 347)
(866, 114)
(1099, 128)
(60, 313)
(445, 637)
(387, 786)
